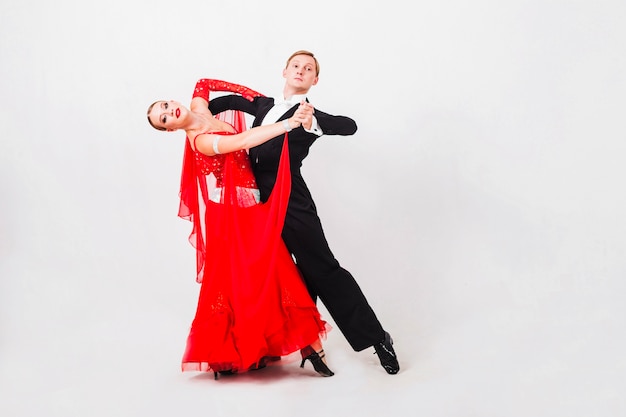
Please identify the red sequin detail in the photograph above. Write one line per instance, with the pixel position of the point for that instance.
(243, 177)
(204, 85)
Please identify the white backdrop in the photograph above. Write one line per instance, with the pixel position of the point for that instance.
(480, 204)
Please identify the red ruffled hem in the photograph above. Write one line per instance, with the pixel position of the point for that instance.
(217, 346)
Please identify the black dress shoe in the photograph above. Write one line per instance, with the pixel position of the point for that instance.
(387, 355)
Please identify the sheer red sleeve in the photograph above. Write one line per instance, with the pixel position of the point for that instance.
(204, 85)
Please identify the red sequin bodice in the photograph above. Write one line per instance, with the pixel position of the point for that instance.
(242, 175)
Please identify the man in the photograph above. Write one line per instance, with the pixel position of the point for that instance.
(302, 232)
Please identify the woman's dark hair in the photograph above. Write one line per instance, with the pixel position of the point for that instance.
(150, 121)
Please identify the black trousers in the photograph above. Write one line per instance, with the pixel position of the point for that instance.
(326, 279)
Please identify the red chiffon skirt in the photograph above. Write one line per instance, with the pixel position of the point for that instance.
(253, 303)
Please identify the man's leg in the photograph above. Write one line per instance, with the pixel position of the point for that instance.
(334, 285)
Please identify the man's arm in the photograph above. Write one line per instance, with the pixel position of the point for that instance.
(233, 102)
(335, 125)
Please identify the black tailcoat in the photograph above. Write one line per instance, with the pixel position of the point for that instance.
(302, 232)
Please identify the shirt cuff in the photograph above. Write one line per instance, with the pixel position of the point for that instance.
(315, 128)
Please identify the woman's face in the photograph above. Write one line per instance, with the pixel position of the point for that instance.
(167, 114)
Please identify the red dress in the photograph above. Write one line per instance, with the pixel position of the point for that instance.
(253, 303)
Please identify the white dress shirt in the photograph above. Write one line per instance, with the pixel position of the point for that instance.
(280, 107)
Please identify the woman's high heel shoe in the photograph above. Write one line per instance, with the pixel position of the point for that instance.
(316, 359)
(216, 374)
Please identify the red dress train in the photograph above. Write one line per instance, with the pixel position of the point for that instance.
(253, 303)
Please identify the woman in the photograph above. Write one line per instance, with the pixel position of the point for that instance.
(253, 305)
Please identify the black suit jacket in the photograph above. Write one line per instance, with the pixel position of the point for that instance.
(265, 157)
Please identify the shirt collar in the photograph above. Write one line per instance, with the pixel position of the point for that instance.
(293, 100)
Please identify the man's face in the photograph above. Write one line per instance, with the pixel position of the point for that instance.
(300, 73)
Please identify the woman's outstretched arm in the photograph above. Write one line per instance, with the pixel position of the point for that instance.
(212, 144)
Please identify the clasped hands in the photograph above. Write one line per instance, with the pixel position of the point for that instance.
(303, 116)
